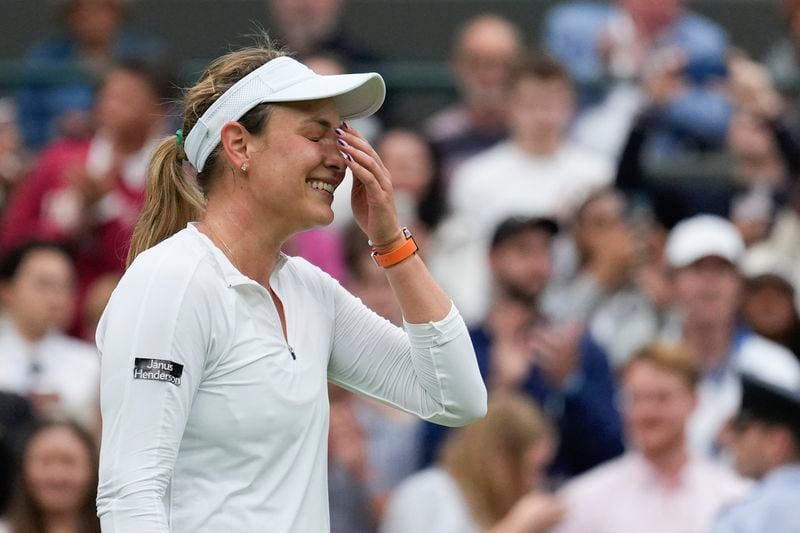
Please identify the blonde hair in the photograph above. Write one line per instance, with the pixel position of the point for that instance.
(677, 359)
(513, 425)
(172, 197)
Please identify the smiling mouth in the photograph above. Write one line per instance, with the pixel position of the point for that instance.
(321, 186)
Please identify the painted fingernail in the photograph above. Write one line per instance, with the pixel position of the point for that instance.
(345, 125)
(341, 142)
(338, 131)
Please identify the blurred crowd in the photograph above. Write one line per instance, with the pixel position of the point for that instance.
(612, 205)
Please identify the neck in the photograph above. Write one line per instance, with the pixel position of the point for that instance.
(669, 462)
(30, 333)
(542, 145)
(63, 522)
(252, 249)
(712, 341)
(130, 142)
(508, 314)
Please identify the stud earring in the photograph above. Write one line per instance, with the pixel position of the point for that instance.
(245, 166)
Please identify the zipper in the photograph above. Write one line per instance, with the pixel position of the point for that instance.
(277, 316)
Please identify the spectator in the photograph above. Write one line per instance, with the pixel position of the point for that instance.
(310, 27)
(703, 253)
(659, 486)
(621, 42)
(366, 280)
(88, 193)
(13, 160)
(489, 479)
(58, 482)
(58, 373)
(553, 363)
(484, 53)
(537, 172)
(620, 280)
(768, 304)
(765, 156)
(783, 60)
(766, 442)
(92, 39)
(16, 421)
(352, 508)
(411, 160)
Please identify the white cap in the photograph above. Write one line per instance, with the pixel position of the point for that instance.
(704, 236)
(282, 80)
(762, 260)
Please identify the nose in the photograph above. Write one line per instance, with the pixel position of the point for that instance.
(334, 160)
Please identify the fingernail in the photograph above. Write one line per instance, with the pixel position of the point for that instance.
(340, 141)
(348, 157)
(345, 125)
(338, 131)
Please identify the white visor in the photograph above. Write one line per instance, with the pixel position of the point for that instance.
(282, 80)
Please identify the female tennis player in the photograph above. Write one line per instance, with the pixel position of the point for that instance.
(216, 346)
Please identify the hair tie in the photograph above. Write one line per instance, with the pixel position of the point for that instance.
(179, 137)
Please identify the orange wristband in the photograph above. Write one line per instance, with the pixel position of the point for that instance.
(399, 254)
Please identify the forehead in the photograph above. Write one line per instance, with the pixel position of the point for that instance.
(321, 112)
(524, 239)
(643, 373)
(43, 259)
(529, 85)
(711, 262)
(489, 37)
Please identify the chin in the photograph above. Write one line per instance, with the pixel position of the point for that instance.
(317, 219)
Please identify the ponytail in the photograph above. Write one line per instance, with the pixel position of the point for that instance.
(172, 200)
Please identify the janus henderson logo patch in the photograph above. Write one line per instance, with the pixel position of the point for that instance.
(157, 370)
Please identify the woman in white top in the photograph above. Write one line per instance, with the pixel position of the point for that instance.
(216, 347)
(488, 480)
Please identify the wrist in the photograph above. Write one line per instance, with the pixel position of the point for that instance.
(383, 247)
(396, 252)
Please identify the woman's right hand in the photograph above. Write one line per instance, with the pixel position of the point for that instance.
(534, 513)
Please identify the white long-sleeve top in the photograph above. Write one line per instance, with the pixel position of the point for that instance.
(213, 421)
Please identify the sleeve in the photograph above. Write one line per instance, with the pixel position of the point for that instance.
(590, 413)
(428, 369)
(631, 176)
(701, 113)
(159, 320)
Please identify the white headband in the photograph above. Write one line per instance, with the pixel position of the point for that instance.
(282, 80)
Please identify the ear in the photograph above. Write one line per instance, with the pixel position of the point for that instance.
(235, 138)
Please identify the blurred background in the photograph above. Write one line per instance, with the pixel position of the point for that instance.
(607, 190)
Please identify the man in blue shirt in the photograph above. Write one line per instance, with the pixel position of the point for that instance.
(606, 46)
(559, 365)
(766, 442)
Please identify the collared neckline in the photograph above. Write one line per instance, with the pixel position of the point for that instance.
(233, 277)
(651, 475)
